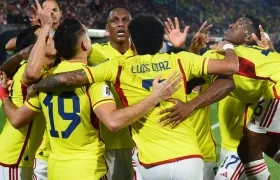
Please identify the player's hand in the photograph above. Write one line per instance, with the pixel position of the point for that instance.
(4, 93)
(24, 53)
(219, 46)
(34, 19)
(176, 114)
(174, 34)
(201, 38)
(264, 42)
(44, 15)
(3, 80)
(163, 90)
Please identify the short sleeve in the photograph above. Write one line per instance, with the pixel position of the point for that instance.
(100, 94)
(194, 65)
(33, 103)
(106, 71)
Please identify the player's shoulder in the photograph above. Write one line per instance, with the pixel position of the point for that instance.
(66, 66)
(100, 46)
(100, 89)
(18, 75)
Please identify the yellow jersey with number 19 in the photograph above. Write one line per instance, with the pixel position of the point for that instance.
(113, 140)
(132, 78)
(18, 146)
(77, 152)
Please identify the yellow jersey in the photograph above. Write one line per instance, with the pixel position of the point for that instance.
(76, 149)
(43, 151)
(252, 81)
(113, 140)
(18, 146)
(132, 78)
(202, 126)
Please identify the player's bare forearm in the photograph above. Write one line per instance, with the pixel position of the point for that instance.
(62, 80)
(11, 65)
(228, 66)
(221, 87)
(36, 60)
(121, 118)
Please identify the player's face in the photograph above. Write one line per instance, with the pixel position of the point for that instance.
(117, 23)
(239, 32)
(50, 49)
(56, 13)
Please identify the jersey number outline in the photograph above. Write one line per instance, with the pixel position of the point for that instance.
(259, 108)
(232, 157)
(74, 117)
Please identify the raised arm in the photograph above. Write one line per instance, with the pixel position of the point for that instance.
(116, 119)
(221, 87)
(37, 58)
(18, 117)
(11, 65)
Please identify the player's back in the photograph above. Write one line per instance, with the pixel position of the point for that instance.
(133, 83)
(18, 146)
(70, 120)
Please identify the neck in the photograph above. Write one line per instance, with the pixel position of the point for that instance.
(120, 47)
(49, 61)
(81, 59)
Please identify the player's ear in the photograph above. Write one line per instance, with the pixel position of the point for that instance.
(107, 28)
(249, 38)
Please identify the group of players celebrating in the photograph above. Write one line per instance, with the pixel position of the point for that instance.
(122, 110)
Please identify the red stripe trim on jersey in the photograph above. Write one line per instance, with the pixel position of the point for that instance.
(184, 76)
(273, 133)
(109, 100)
(33, 106)
(23, 90)
(93, 118)
(169, 160)
(240, 174)
(269, 113)
(203, 66)
(265, 114)
(214, 142)
(91, 76)
(135, 175)
(119, 89)
(256, 171)
(273, 113)
(25, 142)
(252, 169)
(247, 69)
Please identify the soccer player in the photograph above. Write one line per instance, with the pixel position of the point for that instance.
(118, 144)
(232, 123)
(19, 146)
(221, 87)
(80, 139)
(162, 151)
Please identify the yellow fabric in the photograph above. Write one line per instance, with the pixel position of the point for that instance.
(202, 126)
(135, 80)
(72, 127)
(18, 146)
(113, 140)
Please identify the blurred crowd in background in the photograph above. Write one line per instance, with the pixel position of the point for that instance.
(221, 13)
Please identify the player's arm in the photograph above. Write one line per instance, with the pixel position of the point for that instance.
(99, 73)
(36, 59)
(229, 65)
(11, 65)
(221, 87)
(115, 119)
(18, 117)
(11, 44)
